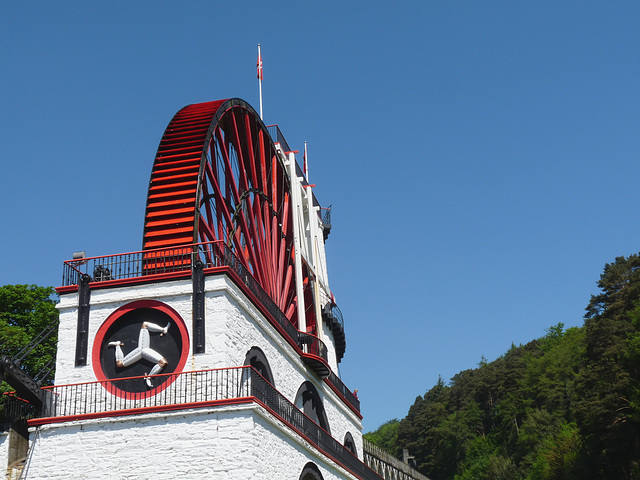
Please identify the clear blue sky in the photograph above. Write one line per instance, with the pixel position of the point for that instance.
(481, 157)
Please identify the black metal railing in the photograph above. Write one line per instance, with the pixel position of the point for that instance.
(14, 410)
(276, 402)
(120, 394)
(197, 388)
(278, 137)
(312, 345)
(326, 216)
(332, 315)
(180, 259)
(337, 315)
(348, 395)
(129, 265)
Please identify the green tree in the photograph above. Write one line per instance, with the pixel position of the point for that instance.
(484, 461)
(386, 437)
(606, 385)
(420, 431)
(25, 311)
(557, 455)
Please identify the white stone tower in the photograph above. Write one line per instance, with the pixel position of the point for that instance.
(212, 352)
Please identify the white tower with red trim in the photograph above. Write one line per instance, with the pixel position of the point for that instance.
(214, 350)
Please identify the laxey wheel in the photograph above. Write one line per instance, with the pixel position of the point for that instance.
(217, 177)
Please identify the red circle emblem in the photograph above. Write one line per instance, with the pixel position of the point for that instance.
(140, 349)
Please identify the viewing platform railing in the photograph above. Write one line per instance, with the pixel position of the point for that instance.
(15, 410)
(154, 264)
(278, 137)
(337, 315)
(195, 389)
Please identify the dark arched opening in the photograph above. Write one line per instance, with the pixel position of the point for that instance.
(310, 472)
(350, 444)
(256, 358)
(308, 400)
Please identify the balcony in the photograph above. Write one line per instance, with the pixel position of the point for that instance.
(189, 390)
(177, 262)
(326, 222)
(332, 316)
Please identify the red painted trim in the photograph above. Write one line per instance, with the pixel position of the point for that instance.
(143, 279)
(130, 281)
(99, 339)
(315, 358)
(344, 400)
(309, 439)
(67, 289)
(137, 411)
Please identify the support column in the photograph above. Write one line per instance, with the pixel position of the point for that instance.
(296, 204)
(313, 232)
(82, 334)
(198, 308)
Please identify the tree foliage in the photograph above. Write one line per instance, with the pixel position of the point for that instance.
(386, 437)
(564, 406)
(25, 311)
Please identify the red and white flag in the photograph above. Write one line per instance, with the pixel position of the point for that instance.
(259, 64)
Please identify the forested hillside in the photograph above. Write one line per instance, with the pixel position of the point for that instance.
(564, 406)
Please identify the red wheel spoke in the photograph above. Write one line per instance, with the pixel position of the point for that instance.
(211, 174)
(251, 151)
(291, 310)
(208, 213)
(205, 229)
(263, 241)
(257, 223)
(263, 165)
(274, 180)
(258, 268)
(232, 191)
(221, 206)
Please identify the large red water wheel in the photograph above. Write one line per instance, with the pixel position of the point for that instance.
(217, 177)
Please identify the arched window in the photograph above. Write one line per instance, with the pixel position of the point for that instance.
(308, 400)
(350, 444)
(310, 472)
(256, 358)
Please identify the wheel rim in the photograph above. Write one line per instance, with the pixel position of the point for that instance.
(217, 177)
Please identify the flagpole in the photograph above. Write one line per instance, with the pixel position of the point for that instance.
(305, 164)
(260, 79)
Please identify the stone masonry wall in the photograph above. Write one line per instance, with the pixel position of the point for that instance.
(388, 466)
(243, 442)
(232, 326)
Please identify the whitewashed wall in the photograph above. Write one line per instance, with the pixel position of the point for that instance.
(233, 325)
(328, 340)
(4, 452)
(271, 436)
(224, 443)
